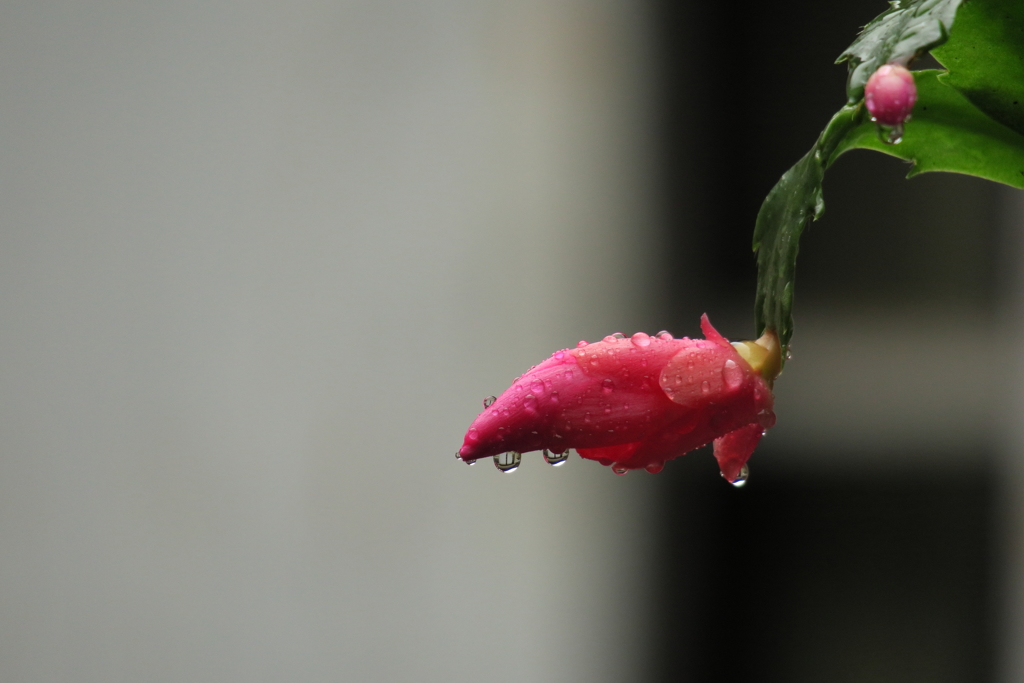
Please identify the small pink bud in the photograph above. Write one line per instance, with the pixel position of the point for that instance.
(890, 94)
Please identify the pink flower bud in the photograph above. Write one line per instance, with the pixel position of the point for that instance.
(637, 402)
(890, 94)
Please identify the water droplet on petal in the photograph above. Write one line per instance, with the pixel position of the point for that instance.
(619, 469)
(489, 401)
(619, 335)
(705, 387)
(530, 403)
(732, 374)
(558, 355)
(553, 397)
(742, 478)
(580, 344)
(568, 374)
(640, 339)
(556, 459)
(609, 338)
(607, 386)
(508, 462)
(472, 434)
(655, 467)
(664, 335)
(537, 386)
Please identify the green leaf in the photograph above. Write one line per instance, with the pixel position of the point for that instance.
(794, 201)
(948, 133)
(985, 59)
(901, 33)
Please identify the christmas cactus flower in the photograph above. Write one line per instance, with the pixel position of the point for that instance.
(634, 403)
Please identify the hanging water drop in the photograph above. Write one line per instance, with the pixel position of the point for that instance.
(655, 467)
(489, 401)
(619, 469)
(556, 459)
(891, 135)
(508, 462)
(742, 478)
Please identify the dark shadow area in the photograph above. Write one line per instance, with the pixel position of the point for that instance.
(860, 574)
(802, 579)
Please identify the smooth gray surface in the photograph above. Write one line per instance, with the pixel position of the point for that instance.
(259, 263)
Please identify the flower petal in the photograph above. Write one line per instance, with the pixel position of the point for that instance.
(734, 449)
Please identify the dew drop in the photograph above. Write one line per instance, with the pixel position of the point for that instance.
(641, 339)
(472, 434)
(607, 386)
(508, 462)
(705, 387)
(610, 339)
(619, 469)
(732, 374)
(553, 397)
(568, 374)
(538, 387)
(558, 355)
(489, 401)
(894, 136)
(655, 467)
(664, 335)
(607, 410)
(530, 403)
(581, 343)
(619, 335)
(556, 459)
(742, 478)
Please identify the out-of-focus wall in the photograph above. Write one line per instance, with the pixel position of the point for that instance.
(259, 263)
(1010, 433)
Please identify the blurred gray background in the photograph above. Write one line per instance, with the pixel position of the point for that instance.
(260, 262)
